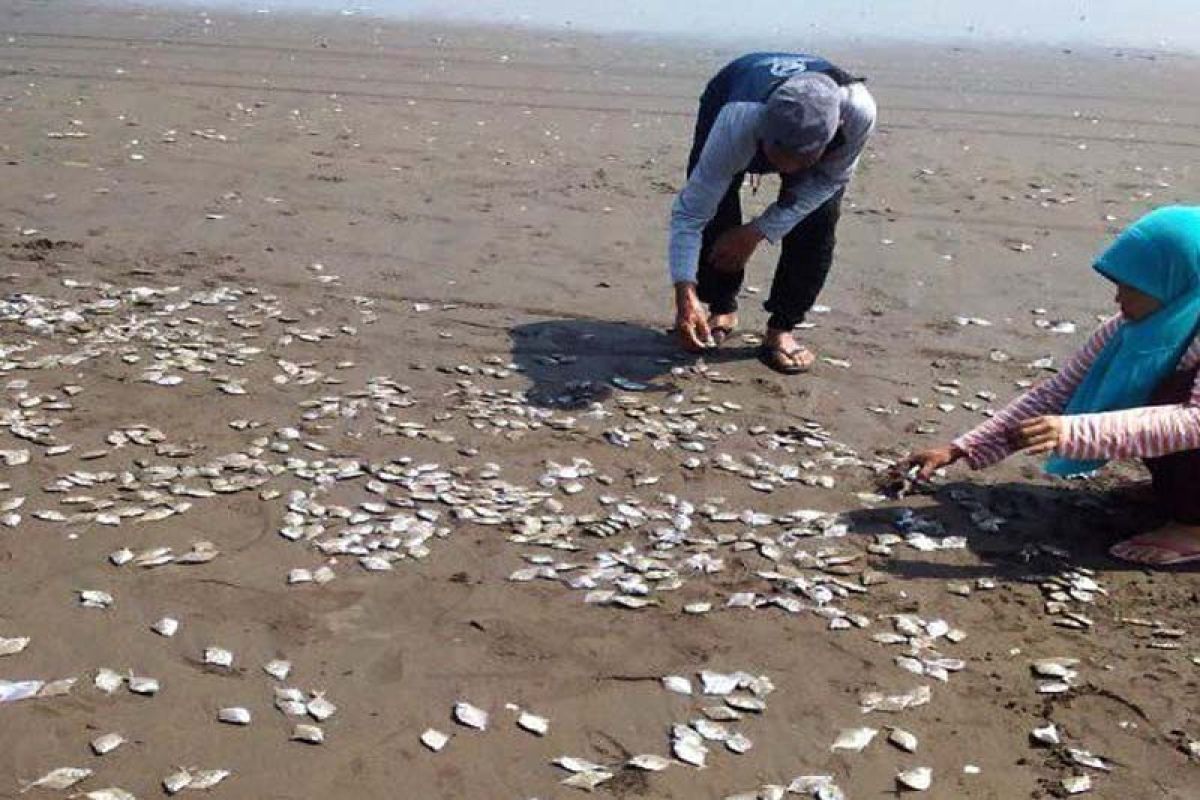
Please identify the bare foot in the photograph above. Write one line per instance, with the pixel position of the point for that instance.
(722, 326)
(1174, 543)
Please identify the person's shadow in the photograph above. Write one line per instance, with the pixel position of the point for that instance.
(571, 363)
(1044, 528)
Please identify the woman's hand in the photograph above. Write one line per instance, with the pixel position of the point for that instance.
(1039, 435)
(930, 461)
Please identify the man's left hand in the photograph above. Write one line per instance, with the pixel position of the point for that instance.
(734, 247)
(1039, 435)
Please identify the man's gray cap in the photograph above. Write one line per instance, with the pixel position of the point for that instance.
(803, 114)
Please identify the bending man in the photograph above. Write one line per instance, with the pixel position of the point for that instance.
(783, 113)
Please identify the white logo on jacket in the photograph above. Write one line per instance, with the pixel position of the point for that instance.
(783, 67)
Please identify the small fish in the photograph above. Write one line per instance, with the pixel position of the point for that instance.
(177, 781)
(218, 657)
(94, 598)
(536, 725)
(59, 779)
(108, 681)
(167, 626)
(234, 715)
(309, 734)
(143, 686)
(855, 739)
(1047, 735)
(105, 744)
(434, 740)
(278, 669)
(903, 739)
(918, 779)
(10, 647)
(588, 780)
(573, 764)
(677, 684)
(649, 762)
(205, 779)
(1077, 784)
(319, 708)
(470, 716)
(114, 793)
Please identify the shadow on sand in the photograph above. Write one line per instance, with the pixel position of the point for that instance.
(1046, 529)
(574, 362)
(571, 363)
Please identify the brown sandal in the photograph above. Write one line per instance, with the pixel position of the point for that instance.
(784, 361)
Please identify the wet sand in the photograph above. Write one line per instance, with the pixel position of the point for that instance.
(479, 198)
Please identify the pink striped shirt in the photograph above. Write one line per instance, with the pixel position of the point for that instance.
(1145, 432)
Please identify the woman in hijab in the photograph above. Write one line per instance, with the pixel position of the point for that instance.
(1132, 392)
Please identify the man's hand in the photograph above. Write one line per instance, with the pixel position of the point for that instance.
(1039, 435)
(930, 461)
(734, 247)
(691, 320)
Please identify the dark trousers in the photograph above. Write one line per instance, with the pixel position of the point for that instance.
(806, 252)
(1176, 477)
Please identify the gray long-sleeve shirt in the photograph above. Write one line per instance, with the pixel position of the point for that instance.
(730, 148)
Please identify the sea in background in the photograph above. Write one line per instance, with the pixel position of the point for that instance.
(1159, 25)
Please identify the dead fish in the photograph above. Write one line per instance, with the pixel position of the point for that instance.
(319, 708)
(721, 714)
(1077, 784)
(816, 786)
(588, 781)
(177, 781)
(143, 686)
(59, 779)
(688, 747)
(710, 730)
(903, 739)
(434, 740)
(918, 779)
(1055, 667)
(573, 764)
(166, 626)
(234, 715)
(716, 684)
(744, 703)
(536, 725)
(205, 779)
(10, 647)
(113, 793)
(677, 684)
(470, 716)
(1047, 735)
(108, 681)
(855, 739)
(103, 745)
(649, 762)
(1086, 759)
(218, 657)
(309, 734)
(278, 669)
(739, 743)
(94, 598)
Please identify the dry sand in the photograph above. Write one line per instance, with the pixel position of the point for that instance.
(519, 183)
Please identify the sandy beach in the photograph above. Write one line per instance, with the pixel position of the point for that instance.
(378, 310)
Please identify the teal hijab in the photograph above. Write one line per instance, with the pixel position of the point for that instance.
(1158, 255)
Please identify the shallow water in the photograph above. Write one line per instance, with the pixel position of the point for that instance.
(1162, 24)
